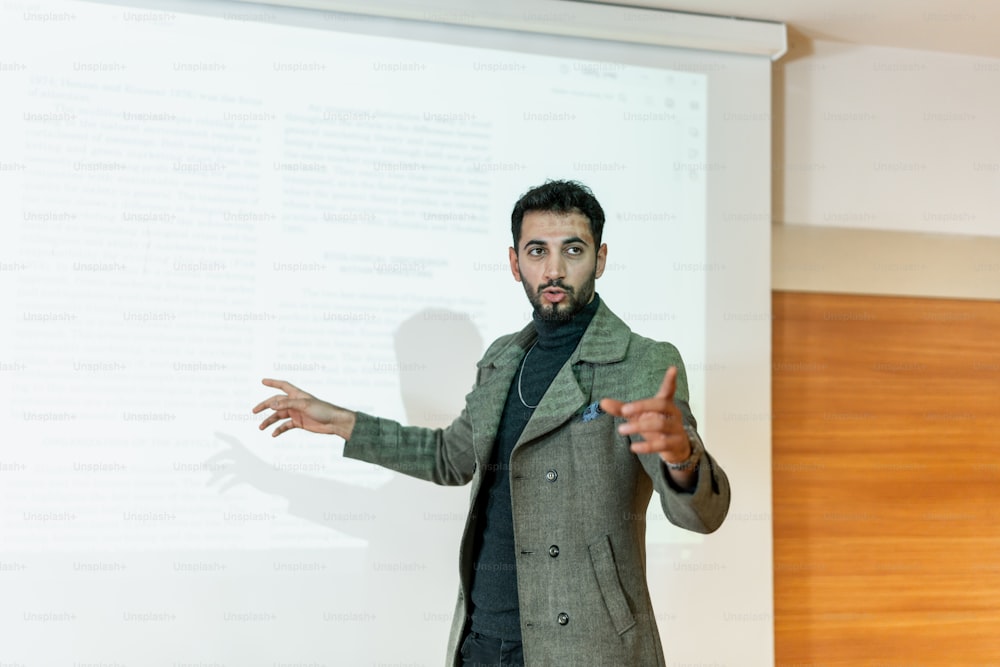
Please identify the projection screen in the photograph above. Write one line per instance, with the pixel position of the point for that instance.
(198, 195)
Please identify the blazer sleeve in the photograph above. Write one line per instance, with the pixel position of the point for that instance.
(443, 456)
(704, 508)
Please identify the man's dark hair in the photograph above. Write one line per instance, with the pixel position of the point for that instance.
(559, 197)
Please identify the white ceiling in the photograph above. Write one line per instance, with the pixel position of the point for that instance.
(957, 26)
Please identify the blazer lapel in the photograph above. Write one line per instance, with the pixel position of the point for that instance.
(486, 403)
(561, 400)
(604, 341)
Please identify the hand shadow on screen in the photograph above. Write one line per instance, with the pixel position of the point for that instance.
(436, 351)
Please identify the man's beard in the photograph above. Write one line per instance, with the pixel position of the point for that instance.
(565, 310)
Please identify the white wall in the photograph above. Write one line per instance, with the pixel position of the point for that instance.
(901, 144)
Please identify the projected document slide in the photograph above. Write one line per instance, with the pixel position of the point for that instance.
(191, 204)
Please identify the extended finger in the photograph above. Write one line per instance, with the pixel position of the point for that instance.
(669, 384)
(281, 403)
(655, 404)
(272, 418)
(286, 387)
(653, 422)
(286, 426)
(268, 403)
(612, 406)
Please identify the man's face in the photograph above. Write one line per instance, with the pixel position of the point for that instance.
(557, 262)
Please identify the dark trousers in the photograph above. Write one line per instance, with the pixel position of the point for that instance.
(482, 651)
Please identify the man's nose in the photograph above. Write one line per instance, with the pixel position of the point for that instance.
(555, 267)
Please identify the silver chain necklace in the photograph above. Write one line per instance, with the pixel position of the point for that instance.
(520, 373)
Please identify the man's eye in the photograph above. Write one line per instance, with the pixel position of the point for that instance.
(535, 252)
(574, 250)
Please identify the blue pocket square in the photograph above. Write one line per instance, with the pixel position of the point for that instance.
(593, 411)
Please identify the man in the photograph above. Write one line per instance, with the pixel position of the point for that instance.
(553, 559)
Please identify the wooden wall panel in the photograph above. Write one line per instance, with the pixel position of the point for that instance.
(886, 436)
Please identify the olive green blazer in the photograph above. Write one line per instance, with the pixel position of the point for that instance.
(574, 485)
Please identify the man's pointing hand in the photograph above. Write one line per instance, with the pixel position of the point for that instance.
(657, 420)
(303, 410)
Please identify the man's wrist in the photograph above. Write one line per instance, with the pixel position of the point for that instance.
(691, 462)
(345, 426)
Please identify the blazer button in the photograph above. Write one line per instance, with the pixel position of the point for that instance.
(551, 475)
(562, 618)
(554, 550)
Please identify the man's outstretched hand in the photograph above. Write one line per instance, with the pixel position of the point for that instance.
(658, 420)
(302, 410)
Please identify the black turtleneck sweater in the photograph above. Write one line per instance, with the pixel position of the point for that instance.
(494, 582)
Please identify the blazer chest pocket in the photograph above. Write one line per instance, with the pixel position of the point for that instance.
(603, 560)
(600, 430)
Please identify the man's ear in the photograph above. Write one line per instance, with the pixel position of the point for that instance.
(514, 268)
(602, 258)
